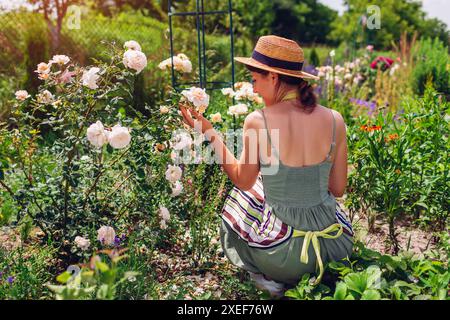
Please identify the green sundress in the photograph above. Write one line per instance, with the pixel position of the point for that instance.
(263, 230)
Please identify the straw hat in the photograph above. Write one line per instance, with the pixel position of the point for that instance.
(279, 55)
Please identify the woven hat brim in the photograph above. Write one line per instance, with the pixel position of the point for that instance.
(298, 74)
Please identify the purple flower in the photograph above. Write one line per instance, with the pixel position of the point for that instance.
(311, 69)
(10, 279)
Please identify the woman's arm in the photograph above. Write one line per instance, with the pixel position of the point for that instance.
(338, 175)
(242, 173)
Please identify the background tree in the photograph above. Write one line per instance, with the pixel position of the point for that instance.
(396, 16)
(306, 21)
(54, 12)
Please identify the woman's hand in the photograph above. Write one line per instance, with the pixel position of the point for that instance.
(195, 119)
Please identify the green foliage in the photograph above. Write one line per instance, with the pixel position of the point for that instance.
(370, 275)
(314, 58)
(396, 17)
(99, 281)
(23, 272)
(401, 165)
(431, 61)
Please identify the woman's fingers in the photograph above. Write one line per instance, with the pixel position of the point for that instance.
(186, 118)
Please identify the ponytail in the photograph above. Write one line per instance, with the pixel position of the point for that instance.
(307, 97)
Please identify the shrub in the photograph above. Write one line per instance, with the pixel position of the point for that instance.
(431, 61)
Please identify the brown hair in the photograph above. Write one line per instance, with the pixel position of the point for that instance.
(307, 97)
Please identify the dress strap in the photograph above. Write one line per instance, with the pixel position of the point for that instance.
(268, 134)
(333, 143)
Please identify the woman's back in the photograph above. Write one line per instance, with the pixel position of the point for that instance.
(300, 139)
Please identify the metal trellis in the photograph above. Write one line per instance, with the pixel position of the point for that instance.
(199, 15)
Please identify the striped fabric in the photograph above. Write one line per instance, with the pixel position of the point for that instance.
(248, 215)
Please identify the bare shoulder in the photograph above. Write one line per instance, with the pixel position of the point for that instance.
(254, 120)
(341, 127)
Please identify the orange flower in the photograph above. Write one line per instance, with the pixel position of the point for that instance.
(370, 128)
(391, 137)
(397, 171)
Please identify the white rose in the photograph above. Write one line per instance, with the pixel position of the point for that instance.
(132, 45)
(82, 243)
(238, 109)
(198, 97)
(97, 135)
(43, 67)
(60, 59)
(228, 92)
(106, 235)
(91, 77)
(216, 117)
(181, 141)
(119, 137)
(182, 63)
(164, 109)
(45, 97)
(173, 173)
(182, 56)
(163, 65)
(164, 213)
(177, 63)
(259, 100)
(177, 188)
(22, 95)
(187, 66)
(135, 60)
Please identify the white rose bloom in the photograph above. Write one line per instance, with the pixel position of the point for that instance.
(82, 243)
(228, 92)
(119, 137)
(97, 135)
(164, 109)
(177, 188)
(173, 173)
(181, 141)
(238, 109)
(60, 59)
(259, 100)
(177, 62)
(164, 213)
(182, 56)
(135, 60)
(163, 65)
(43, 67)
(106, 235)
(198, 97)
(132, 45)
(45, 97)
(22, 95)
(187, 66)
(216, 117)
(91, 77)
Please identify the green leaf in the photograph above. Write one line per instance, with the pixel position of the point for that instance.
(371, 295)
(341, 291)
(103, 267)
(64, 277)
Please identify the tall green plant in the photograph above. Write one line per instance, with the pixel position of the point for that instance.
(431, 61)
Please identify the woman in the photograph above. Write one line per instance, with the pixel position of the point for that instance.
(280, 224)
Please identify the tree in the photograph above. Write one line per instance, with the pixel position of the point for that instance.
(396, 16)
(306, 21)
(57, 8)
